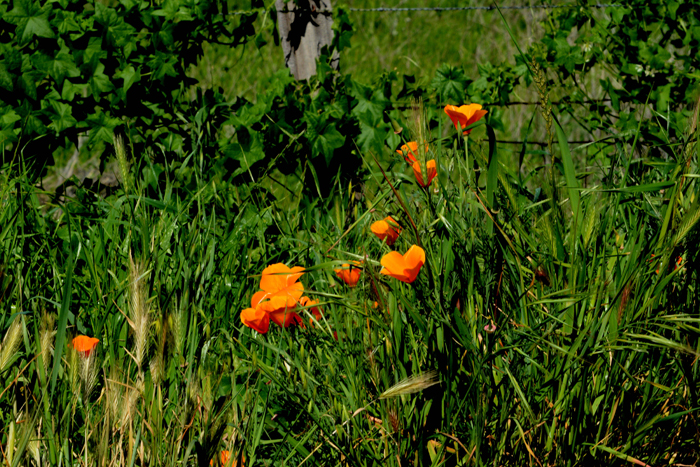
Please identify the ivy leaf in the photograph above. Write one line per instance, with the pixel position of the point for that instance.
(162, 65)
(62, 65)
(172, 10)
(6, 78)
(99, 82)
(69, 90)
(247, 151)
(323, 136)
(372, 137)
(61, 116)
(449, 82)
(30, 20)
(118, 32)
(102, 127)
(94, 52)
(369, 104)
(130, 75)
(8, 132)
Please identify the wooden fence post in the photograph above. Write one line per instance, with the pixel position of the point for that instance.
(304, 29)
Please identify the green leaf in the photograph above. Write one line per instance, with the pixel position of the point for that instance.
(246, 152)
(62, 65)
(130, 75)
(323, 135)
(449, 83)
(370, 104)
(6, 78)
(63, 313)
(94, 52)
(61, 116)
(30, 20)
(569, 172)
(69, 90)
(372, 137)
(99, 82)
(163, 64)
(102, 127)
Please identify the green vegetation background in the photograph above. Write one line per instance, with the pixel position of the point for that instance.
(581, 256)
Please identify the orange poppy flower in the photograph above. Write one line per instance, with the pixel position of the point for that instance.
(277, 308)
(409, 151)
(465, 115)
(432, 172)
(350, 273)
(279, 280)
(404, 267)
(256, 318)
(225, 457)
(85, 344)
(387, 228)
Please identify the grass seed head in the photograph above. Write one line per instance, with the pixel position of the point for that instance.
(47, 332)
(120, 151)
(139, 312)
(411, 385)
(10, 343)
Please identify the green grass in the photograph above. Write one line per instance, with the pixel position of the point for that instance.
(593, 358)
(413, 43)
(554, 321)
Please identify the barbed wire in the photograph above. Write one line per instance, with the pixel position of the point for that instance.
(408, 9)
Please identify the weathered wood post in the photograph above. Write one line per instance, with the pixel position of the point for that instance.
(305, 28)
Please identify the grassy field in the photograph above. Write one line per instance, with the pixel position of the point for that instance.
(543, 313)
(414, 43)
(559, 329)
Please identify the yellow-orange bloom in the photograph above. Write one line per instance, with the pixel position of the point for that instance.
(404, 267)
(349, 273)
(432, 172)
(409, 151)
(387, 228)
(277, 308)
(85, 344)
(465, 115)
(225, 457)
(256, 318)
(279, 280)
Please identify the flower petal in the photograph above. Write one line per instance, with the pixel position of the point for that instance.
(256, 318)
(394, 265)
(85, 344)
(278, 276)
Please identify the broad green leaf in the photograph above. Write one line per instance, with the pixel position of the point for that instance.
(30, 20)
(327, 142)
(99, 82)
(246, 153)
(372, 137)
(63, 65)
(449, 82)
(61, 116)
(102, 127)
(370, 104)
(130, 75)
(6, 78)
